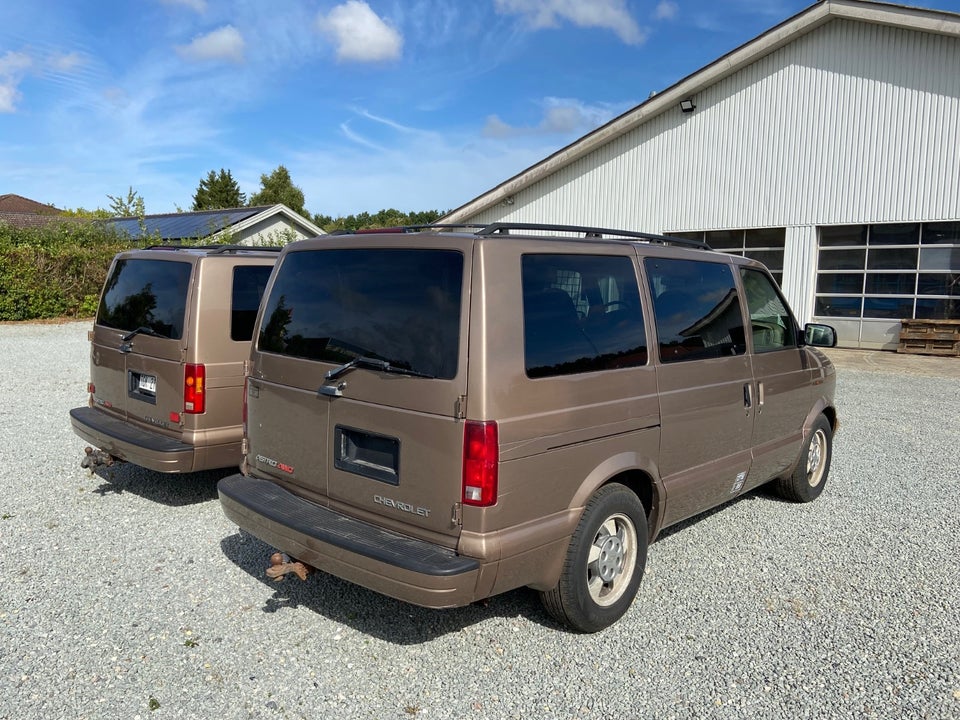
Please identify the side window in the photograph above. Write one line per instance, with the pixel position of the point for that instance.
(249, 282)
(581, 313)
(770, 321)
(697, 309)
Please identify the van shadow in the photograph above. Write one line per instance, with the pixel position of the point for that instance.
(369, 612)
(174, 490)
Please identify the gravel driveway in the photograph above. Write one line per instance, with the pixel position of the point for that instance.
(129, 594)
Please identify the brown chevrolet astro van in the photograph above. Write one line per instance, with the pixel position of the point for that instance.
(167, 355)
(442, 416)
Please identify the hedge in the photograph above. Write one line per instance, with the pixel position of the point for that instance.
(56, 270)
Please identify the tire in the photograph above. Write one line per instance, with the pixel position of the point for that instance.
(807, 480)
(604, 563)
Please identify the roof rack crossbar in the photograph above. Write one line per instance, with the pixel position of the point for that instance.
(504, 228)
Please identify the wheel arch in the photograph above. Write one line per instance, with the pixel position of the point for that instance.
(637, 474)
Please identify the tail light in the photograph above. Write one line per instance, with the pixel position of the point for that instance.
(481, 457)
(194, 389)
(91, 388)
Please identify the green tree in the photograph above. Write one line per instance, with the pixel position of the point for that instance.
(218, 191)
(130, 206)
(98, 214)
(277, 187)
(384, 218)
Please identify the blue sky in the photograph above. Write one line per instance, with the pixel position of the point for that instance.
(412, 104)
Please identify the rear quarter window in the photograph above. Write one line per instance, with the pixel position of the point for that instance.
(398, 305)
(149, 294)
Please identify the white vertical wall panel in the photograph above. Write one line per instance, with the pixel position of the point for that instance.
(850, 123)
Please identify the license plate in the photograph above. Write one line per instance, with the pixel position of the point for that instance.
(147, 383)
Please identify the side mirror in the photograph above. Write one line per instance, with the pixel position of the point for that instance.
(819, 335)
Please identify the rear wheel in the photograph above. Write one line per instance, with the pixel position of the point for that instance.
(807, 481)
(604, 563)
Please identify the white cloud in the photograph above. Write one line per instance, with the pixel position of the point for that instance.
(199, 6)
(609, 14)
(561, 116)
(13, 65)
(66, 62)
(360, 34)
(225, 43)
(666, 10)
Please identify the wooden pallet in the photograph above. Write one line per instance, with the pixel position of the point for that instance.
(930, 337)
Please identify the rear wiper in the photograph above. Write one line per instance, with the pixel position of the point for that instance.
(362, 361)
(143, 329)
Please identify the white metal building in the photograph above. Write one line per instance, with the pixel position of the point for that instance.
(828, 147)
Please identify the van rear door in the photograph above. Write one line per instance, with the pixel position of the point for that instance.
(136, 355)
(361, 360)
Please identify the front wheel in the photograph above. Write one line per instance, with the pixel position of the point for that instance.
(604, 563)
(807, 480)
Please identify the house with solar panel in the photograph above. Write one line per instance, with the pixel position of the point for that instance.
(257, 226)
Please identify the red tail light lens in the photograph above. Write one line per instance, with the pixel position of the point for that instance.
(481, 457)
(194, 389)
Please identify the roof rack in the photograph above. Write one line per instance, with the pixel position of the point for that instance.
(217, 249)
(410, 228)
(595, 233)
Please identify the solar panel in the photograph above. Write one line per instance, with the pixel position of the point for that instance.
(183, 226)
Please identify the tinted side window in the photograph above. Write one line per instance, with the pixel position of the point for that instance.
(581, 313)
(770, 321)
(402, 306)
(696, 308)
(249, 282)
(146, 294)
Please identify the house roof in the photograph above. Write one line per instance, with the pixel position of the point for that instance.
(11, 203)
(204, 223)
(31, 219)
(20, 212)
(823, 11)
(184, 226)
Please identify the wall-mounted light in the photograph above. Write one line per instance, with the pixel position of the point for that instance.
(509, 200)
(687, 106)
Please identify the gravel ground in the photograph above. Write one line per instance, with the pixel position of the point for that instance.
(129, 594)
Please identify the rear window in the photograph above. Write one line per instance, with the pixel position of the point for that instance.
(402, 306)
(249, 282)
(146, 294)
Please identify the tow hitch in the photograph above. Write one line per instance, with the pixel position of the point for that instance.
(96, 458)
(280, 565)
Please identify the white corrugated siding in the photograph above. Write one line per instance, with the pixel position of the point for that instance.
(851, 123)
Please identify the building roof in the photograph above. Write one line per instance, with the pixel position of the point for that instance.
(184, 226)
(31, 219)
(200, 224)
(823, 11)
(11, 203)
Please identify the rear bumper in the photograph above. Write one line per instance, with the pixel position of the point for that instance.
(128, 442)
(405, 568)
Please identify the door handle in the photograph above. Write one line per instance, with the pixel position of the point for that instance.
(747, 395)
(760, 397)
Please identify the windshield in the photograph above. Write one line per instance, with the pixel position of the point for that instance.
(399, 306)
(146, 295)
